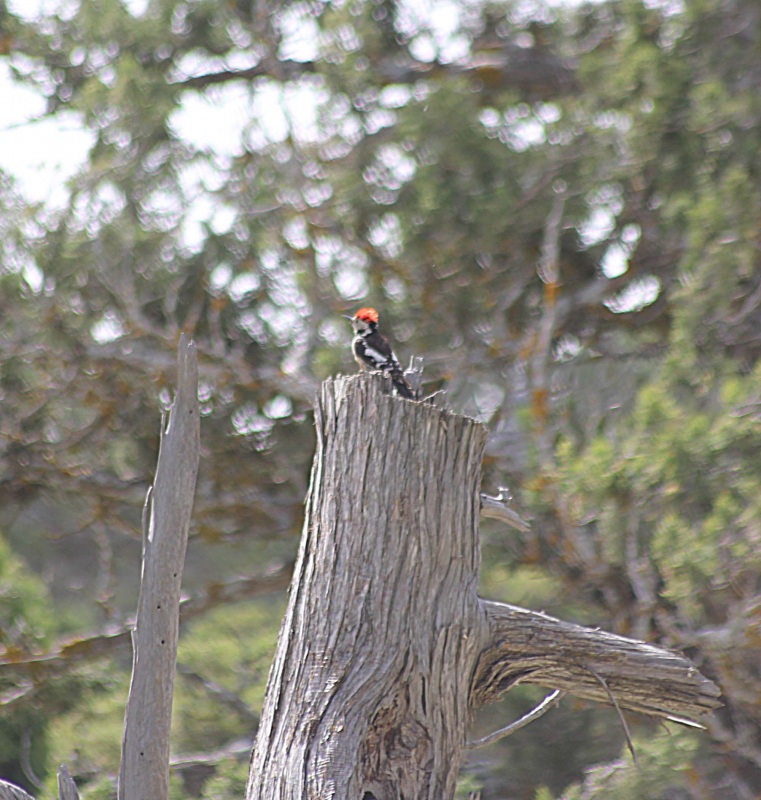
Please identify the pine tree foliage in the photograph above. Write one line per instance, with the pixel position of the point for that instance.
(557, 207)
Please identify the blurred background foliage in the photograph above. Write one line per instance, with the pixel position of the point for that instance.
(556, 205)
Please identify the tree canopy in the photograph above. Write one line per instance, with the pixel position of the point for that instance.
(556, 206)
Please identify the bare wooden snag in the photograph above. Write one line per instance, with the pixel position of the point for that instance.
(386, 649)
(144, 771)
(67, 789)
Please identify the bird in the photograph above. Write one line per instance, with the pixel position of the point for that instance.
(373, 352)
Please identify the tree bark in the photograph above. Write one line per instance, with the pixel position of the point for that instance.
(9, 791)
(368, 694)
(144, 771)
(67, 789)
(531, 647)
(386, 650)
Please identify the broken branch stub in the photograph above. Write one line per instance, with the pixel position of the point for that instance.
(532, 647)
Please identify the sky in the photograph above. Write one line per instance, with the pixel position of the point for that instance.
(42, 153)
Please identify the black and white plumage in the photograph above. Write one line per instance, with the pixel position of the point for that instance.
(373, 352)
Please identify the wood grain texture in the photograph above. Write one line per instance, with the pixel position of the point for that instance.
(531, 647)
(67, 789)
(144, 771)
(9, 791)
(369, 692)
(385, 649)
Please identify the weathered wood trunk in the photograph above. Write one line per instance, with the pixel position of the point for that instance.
(144, 771)
(369, 692)
(386, 650)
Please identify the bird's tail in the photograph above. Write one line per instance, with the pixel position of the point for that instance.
(402, 386)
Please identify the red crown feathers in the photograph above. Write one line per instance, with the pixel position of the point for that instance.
(367, 315)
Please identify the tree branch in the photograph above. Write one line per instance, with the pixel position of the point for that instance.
(75, 651)
(629, 742)
(497, 508)
(219, 694)
(549, 702)
(9, 791)
(532, 647)
(144, 771)
(67, 789)
(533, 72)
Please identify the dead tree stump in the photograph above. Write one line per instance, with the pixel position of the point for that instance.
(144, 771)
(386, 650)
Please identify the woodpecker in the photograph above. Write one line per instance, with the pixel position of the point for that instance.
(372, 350)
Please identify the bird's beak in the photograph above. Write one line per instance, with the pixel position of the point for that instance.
(348, 317)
